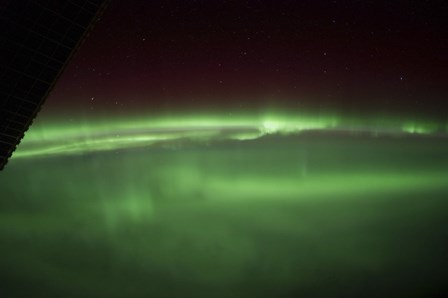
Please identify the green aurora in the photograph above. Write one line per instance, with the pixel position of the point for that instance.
(66, 138)
(273, 205)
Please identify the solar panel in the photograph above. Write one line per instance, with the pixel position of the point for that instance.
(38, 37)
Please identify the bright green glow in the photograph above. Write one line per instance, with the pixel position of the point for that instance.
(128, 190)
(310, 187)
(419, 128)
(288, 212)
(66, 138)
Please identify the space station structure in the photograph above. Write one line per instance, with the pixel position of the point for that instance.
(37, 40)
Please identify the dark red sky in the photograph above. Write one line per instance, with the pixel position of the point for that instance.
(350, 55)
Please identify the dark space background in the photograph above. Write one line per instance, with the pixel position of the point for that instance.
(357, 56)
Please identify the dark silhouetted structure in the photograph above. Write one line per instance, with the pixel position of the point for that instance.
(37, 39)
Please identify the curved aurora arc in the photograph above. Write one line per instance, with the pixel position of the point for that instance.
(65, 138)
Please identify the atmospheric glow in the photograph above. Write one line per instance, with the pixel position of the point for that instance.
(270, 206)
(66, 138)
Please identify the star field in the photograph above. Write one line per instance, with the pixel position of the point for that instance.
(366, 57)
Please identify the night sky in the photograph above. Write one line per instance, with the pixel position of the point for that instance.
(238, 149)
(358, 57)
